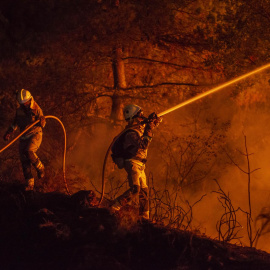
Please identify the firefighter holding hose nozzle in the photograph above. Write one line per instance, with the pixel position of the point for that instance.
(129, 151)
(27, 113)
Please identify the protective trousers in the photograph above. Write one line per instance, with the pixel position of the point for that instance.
(138, 191)
(27, 149)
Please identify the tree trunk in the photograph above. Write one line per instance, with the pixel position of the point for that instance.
(119, 83)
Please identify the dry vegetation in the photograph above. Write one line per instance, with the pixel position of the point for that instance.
(82, 61)
(56, 231)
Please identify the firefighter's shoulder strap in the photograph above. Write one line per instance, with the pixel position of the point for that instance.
(118, 147)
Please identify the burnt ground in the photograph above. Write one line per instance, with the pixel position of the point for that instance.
(55, 231)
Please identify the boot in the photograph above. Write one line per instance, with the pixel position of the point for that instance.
(30, 184)
(115, 207)
(144, 216)
(40, 168)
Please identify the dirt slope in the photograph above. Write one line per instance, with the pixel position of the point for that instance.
(56, 231)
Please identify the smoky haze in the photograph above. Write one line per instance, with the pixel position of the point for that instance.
(248, 114)
(193, 146)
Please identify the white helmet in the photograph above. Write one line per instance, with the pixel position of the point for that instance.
(23, 96)
(130, 111)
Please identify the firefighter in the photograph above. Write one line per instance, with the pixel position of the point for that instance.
(27, 113)
(132, 148)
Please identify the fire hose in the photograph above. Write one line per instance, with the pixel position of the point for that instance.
(182, 104)
(65, 145)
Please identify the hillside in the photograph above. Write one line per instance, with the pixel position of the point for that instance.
(57, 231)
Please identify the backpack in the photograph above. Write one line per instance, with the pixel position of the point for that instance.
(118, 152)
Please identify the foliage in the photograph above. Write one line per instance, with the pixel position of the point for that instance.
(63, 50)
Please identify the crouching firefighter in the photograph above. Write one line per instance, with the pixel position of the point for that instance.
(27, 113)
(129, 151)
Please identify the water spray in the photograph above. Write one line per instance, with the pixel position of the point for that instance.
(216, 89)
(65, 145)
(200, 96)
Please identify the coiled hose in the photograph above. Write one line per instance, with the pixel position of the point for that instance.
(65, 145)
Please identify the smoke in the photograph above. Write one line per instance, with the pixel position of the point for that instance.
(247, 140)
(193, 146)
(239, 120)
(87, 157)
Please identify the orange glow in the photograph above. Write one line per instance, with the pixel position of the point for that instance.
(211, 91)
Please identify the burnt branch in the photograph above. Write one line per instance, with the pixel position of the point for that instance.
(227, 227)
(248, 172)
(165, 63)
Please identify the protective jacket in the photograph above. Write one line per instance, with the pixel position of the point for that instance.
(25, 117)
(135, 144)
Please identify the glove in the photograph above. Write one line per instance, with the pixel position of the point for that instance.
(8, 134)
(154, 120)
(152, 116)
(42, 122)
